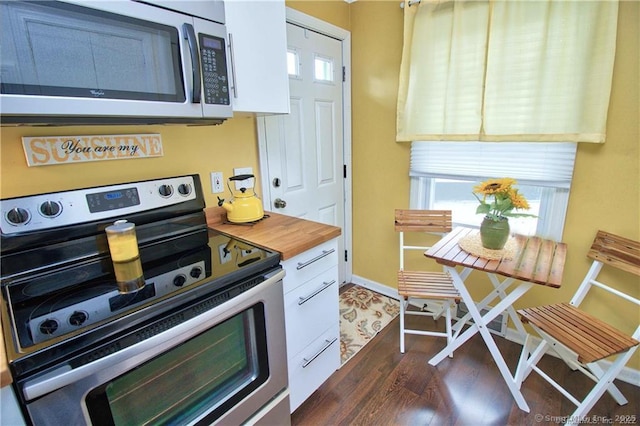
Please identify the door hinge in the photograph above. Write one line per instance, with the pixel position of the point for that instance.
(344, 74)
(346, 256)
(344, 170)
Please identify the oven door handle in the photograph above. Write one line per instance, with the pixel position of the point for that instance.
(136, 354)
(66, 375)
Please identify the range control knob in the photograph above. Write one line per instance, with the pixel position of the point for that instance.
(18, 216)
(165, 190)
(184, 189)
(78, 318)
(196, 272)
(48, 326)
(50, 209)
(179, 280)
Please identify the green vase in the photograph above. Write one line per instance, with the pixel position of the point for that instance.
(494, 234)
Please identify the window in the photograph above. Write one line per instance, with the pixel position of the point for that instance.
(323, 69)
(293, 63)
(443, 175)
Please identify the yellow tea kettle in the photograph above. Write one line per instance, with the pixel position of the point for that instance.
(245, 206)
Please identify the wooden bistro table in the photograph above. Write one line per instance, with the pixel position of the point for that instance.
(533, 260)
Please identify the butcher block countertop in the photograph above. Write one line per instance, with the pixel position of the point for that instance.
(276, 232)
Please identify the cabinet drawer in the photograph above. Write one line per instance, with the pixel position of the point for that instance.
(310, 368)
(307, 265)
(309, 309)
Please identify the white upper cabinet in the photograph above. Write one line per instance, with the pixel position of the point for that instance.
(258, 52)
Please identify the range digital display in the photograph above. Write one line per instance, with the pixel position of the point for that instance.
(113, 200)
(113, 195)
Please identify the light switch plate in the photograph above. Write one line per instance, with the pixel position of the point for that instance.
(247, 183)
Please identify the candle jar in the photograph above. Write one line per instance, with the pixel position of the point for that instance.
(123, 246)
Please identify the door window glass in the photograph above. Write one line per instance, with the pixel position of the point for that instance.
(293, 64)
(323, 69)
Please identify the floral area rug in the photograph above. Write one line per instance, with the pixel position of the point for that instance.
(363, 314)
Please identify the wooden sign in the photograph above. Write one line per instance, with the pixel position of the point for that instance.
(47, 150)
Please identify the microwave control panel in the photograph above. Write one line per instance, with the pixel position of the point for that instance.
(214, 70)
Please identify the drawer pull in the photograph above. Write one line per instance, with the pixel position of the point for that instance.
(303, 299)
(327, 343)
(324, 253)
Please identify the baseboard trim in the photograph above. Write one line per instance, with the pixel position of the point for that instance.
(375, 286)
(627, 375)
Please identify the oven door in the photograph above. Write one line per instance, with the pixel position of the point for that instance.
(224, 366)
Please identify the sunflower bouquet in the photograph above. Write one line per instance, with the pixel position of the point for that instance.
(499, 199)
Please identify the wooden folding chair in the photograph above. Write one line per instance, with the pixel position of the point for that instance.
(581, 339)
(432, 293)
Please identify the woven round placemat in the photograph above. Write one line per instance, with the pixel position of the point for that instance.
(473, 245)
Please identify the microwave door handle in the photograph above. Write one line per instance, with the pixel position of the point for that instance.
(190, 35)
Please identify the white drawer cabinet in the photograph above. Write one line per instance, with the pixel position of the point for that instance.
(312, 319)
(257, 32)
(309, 308)
(313, 365)
(311, 263)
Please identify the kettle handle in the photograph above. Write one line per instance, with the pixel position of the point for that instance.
(241, 177)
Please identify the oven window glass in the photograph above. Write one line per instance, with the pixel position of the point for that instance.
(204, 376)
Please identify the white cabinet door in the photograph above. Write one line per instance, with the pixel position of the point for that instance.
(312, 319)
(310, 309)
(313, 366)
(258, 51)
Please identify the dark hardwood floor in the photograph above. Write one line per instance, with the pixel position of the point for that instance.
(381, 386)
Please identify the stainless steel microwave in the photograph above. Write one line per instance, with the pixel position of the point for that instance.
(113, 62)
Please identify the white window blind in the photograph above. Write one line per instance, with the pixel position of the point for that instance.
(548, 164)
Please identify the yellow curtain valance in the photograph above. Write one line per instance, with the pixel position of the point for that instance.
(506, 70)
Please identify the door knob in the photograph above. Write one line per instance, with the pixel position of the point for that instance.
(279, 204)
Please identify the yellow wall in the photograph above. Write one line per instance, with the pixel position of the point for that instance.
(380, 165)
(335, 12)
(187, 150)
(605, 194)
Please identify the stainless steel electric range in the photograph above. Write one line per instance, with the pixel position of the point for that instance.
(201, 342)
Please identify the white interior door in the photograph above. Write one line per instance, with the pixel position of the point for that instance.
(305, 149)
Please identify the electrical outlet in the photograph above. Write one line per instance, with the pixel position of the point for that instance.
(216, 183)
(247, 183)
